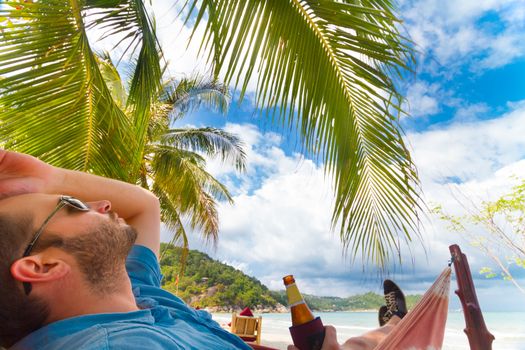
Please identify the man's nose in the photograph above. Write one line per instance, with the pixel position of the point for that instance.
(102, 207)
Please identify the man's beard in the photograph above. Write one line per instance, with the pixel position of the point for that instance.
(101, 254)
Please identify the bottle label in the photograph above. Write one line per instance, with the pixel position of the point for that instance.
(294, 296)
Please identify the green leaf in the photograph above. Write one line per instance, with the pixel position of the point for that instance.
(55, 102)
(325, 68)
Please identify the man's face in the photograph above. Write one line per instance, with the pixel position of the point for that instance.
(98, 239)
(95, 243)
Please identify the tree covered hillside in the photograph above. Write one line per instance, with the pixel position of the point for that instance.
(366, 301)
(209, 283)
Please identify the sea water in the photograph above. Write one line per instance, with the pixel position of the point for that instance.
(507, 327)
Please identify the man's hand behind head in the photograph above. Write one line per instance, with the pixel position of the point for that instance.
(22, 173)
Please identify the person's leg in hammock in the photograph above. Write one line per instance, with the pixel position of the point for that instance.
(389, 316)
(369, 340)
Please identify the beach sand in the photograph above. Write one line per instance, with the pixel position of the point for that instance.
(508, 328)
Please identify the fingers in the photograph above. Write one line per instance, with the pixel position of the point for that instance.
(330, 339)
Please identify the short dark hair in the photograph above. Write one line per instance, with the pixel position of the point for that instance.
(19, 314)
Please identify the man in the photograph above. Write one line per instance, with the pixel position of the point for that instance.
(77, 272)
(65, 281)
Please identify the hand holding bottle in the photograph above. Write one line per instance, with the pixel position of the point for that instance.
(330, 341)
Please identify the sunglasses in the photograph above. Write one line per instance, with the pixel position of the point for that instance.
(64, 201)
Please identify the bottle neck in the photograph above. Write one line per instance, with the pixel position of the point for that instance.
(301, 313)
(294, 296)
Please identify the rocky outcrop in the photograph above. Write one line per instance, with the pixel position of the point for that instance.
(279, 308)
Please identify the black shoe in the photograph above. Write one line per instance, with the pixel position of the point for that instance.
(384, 316)
(395, 300)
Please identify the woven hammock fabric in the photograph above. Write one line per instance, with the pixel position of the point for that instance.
(423, 328)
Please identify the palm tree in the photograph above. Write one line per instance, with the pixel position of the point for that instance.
(326, 70)
(172, 164)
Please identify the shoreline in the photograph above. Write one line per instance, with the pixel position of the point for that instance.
(507, 327)
(223, 310)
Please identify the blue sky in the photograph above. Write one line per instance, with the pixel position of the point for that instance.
(465, 131)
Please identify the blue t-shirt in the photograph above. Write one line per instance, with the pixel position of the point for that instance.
(164, 321)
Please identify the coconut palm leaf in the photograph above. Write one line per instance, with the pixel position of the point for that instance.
(130, 21)
(325, 70)
(210, 141)
(113, 80)
(52, 91)
(189, 94)
(173, 222)
(187, 187)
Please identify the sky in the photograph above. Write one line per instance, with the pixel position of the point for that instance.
(465, 132)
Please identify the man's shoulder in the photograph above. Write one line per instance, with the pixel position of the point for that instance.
(181, 334)
(152, 329)
(143, 267)
(94, 337)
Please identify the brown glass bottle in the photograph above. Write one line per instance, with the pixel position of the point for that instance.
(307, 330)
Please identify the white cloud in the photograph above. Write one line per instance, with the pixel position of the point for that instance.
(487, 33)
(422, 99)
(470, 162)
(471, 150)
(182, 55)
(471, 113)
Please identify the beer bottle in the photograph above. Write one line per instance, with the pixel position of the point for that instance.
(307, 330)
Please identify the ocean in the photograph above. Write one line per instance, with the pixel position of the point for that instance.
(507, 327)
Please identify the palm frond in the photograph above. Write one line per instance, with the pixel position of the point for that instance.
(52, 91)
(189, 94)
(189, 188)
(173, 222)
(113, 80)
(325, 69)
(211, 141)
(131, 21)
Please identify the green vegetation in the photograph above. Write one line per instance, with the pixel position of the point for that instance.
(209, 283)
(367, 301)
(325, 70)
(497, 228)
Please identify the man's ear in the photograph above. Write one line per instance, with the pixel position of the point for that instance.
(33, 269)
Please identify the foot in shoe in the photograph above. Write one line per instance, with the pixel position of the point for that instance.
(384, 315)
(395, 299)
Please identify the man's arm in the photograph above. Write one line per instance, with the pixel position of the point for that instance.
(139, 207)
(21, 173)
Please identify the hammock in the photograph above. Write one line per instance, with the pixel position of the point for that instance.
(423, 328)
